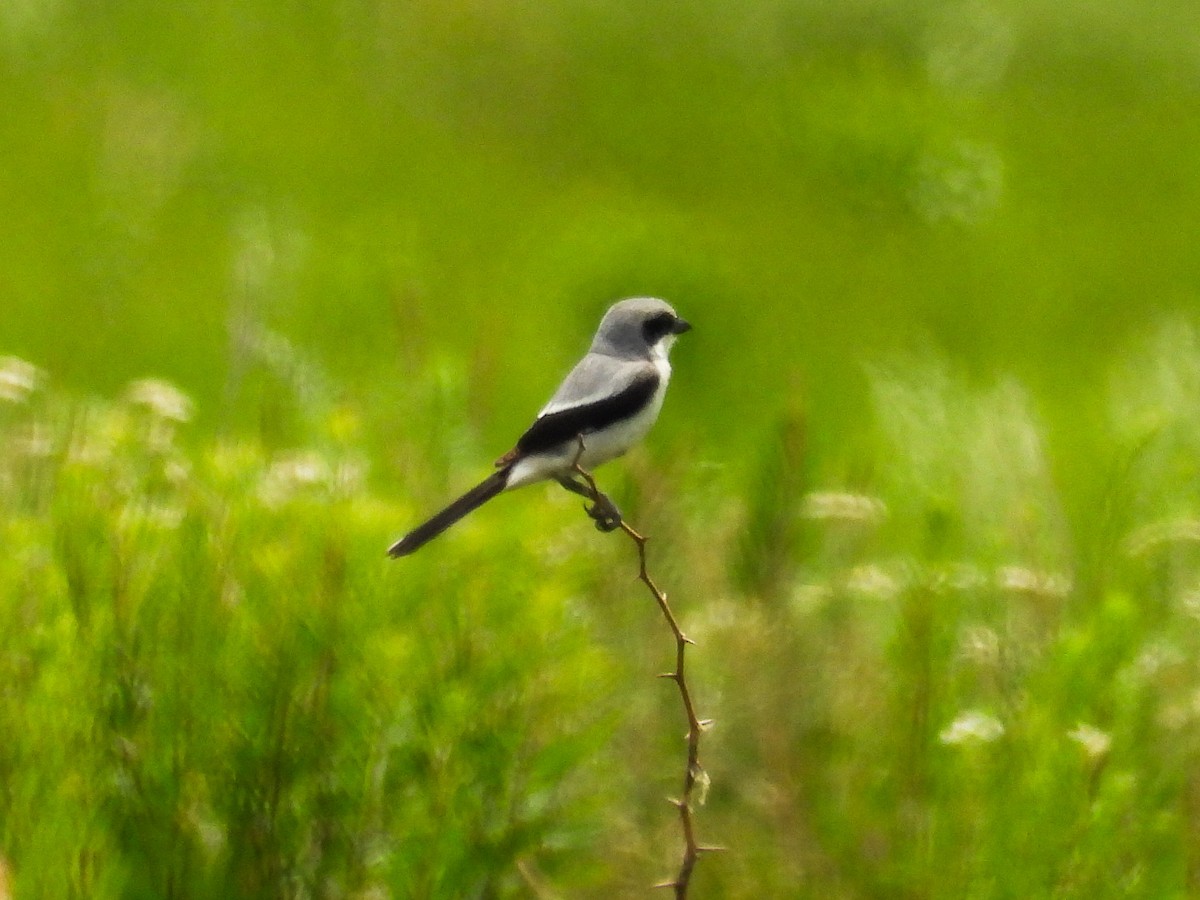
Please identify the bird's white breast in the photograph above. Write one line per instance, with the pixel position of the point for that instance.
(599, 446)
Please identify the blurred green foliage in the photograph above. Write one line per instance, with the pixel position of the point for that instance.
(924, 491)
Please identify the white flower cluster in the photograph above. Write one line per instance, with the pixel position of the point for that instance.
(18, 379)
(840, 506)
(160, 398)
(972, 727)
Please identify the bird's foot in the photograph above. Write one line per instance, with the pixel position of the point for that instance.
(604, 513)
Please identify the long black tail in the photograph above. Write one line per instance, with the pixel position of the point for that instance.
(472, 499)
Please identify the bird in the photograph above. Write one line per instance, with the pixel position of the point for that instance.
(607, 403)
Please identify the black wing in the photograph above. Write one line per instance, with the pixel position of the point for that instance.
(563, 425)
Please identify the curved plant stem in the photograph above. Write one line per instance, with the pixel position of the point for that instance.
(603, 511)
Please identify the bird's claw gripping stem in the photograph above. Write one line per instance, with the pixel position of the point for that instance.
(604, 513)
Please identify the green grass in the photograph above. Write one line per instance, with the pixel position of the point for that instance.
(924, 491)
(216, 685)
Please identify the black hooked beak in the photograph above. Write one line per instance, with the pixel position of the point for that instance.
(680, 326)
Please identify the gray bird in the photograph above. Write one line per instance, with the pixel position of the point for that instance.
(611, 398)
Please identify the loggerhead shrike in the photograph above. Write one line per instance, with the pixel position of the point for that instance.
(610, 399)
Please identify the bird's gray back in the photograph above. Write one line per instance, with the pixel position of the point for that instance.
(596, 377)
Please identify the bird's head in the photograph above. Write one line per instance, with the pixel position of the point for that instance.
(638, 328)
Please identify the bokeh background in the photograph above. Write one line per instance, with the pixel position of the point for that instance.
(278, 278)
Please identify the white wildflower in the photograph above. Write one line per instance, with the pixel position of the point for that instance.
(873, 581)
(303, 469)
(972, 727)
(980, 645)
(161, 398)
(293, 474)
(349, 475)
(840, 506)
(961, 577)
(18, 379)
(1095, 743)
(1023, 580)
(1156, 657)
(1151, 537)
(211, 834)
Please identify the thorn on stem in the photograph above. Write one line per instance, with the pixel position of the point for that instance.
(606, 518)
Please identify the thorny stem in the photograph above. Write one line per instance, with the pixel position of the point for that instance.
(693, 772)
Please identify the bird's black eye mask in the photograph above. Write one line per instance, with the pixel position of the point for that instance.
(658, 325)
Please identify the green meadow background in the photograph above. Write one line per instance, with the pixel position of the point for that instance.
(278, 278)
